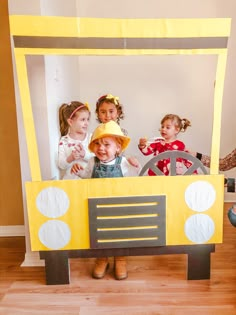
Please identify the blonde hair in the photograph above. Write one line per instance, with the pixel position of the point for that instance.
(119, 142)
(108, 98)
(67, 111)
(181, 123)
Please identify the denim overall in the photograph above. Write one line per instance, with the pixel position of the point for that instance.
(107, 171)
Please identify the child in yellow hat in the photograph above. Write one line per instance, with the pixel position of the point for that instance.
(107, 143)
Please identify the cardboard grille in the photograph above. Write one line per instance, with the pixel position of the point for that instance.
(121, 222)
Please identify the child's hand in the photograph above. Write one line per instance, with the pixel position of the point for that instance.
(133, 161)
(79, 151)
(76, 168)
(75, 155)
(142, 143)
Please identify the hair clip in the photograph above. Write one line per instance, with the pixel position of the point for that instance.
(115, 98)
(87, 105)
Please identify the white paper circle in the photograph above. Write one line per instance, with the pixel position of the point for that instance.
(199, 228)
(200, 196)
(52, 202)
(54, 234)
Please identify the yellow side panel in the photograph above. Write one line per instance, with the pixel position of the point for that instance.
(176, 189)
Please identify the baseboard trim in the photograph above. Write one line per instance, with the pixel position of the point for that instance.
(12, 230)
(230, 197)
(32, 259)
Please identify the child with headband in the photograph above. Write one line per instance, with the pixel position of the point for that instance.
(73, 146)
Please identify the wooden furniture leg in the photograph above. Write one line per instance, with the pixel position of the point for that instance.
(199, 262)
(56, 267)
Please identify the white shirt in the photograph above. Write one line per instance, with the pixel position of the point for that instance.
(65, 147)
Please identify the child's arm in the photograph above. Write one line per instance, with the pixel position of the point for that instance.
(133, 161)
(128, 170)
(82, 172)
(148, 148)
(79, 152)
(63, 154)
(68, 154)
(76, 154)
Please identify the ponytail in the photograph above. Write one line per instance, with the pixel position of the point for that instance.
(64, 127)
(185, 123)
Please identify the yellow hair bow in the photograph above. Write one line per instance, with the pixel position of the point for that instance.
(87, 105)
(112, 97)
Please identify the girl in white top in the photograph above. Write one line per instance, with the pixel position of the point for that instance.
(73, 145)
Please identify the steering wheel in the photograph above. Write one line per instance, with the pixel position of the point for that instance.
(173, 156)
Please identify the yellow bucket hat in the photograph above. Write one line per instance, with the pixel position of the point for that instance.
(110, 128)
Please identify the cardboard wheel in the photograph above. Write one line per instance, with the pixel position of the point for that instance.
(173, 156)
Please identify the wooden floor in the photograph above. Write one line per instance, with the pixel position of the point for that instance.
(156, 285)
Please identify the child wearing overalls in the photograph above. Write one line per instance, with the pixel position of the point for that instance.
(107, 143)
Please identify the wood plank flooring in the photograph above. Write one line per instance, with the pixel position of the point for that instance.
(156, 285)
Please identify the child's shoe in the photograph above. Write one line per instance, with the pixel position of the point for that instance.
(101, 266)
(232, 215)
(120, 268)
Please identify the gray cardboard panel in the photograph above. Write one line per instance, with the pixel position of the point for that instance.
(98, 218)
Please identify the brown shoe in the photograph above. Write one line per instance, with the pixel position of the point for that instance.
(120, 268)
(101, 266)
